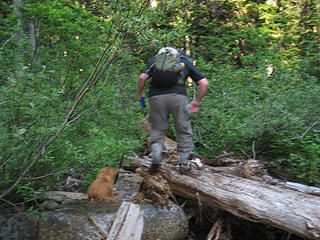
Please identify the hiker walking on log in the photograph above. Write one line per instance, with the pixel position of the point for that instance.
(169, 70)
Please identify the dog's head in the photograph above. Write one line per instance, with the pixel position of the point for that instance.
(108, 173)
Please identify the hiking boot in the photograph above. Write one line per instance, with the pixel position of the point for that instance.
(184, 168)
(183, 157)
(154, 168)
(155, 165)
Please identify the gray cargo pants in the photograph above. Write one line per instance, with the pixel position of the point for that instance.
(161, 106)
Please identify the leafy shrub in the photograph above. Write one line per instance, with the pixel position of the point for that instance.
(251, 106)
(298, 159)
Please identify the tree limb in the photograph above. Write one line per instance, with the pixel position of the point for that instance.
(307, 131)
(103, 232)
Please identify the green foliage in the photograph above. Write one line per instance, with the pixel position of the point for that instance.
(261, 60)
(250, 105)
(273, 94)
(37, 93)
(298, 158)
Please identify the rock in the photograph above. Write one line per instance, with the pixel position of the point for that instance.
(49, 205)
(127, 185)
(70, 221)
(162, 223)
(17, 226)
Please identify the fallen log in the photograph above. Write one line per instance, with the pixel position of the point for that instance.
(128, 223)
(253, 174)
(252, 200)
(59, 196)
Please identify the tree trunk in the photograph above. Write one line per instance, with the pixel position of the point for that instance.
(17, 10)
(256, 201)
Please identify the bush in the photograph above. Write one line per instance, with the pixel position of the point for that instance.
(299, 159)
(250, 105)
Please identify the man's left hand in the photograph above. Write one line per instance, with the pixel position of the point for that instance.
(195, 105)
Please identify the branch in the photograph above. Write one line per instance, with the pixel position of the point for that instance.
(253, 150)
(16, 97)
(6, 161)
(27, 169)
(5, 43)
(78, 138)
(6, 101)
(44, 176)
(101, 230)
(308, 130)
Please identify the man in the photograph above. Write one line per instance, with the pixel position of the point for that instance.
(166, 100)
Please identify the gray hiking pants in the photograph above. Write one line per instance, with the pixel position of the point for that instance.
(161, 106)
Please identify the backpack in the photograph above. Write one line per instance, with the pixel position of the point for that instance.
(166, 68)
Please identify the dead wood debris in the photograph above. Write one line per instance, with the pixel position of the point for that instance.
(220, 230)
(155, 189)
(253, 169)
(225, 159)
(94, 222)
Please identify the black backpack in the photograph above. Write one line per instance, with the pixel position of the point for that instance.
(166, 68)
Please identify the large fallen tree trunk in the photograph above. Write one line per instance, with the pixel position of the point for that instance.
(256, 201)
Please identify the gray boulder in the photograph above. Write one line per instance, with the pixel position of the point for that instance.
(70, 221)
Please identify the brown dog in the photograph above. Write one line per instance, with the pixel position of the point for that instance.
(101, 188)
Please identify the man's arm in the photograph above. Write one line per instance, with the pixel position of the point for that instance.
(203, 88)
(141, 82)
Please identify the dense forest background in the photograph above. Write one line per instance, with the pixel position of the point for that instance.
(69, 71)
